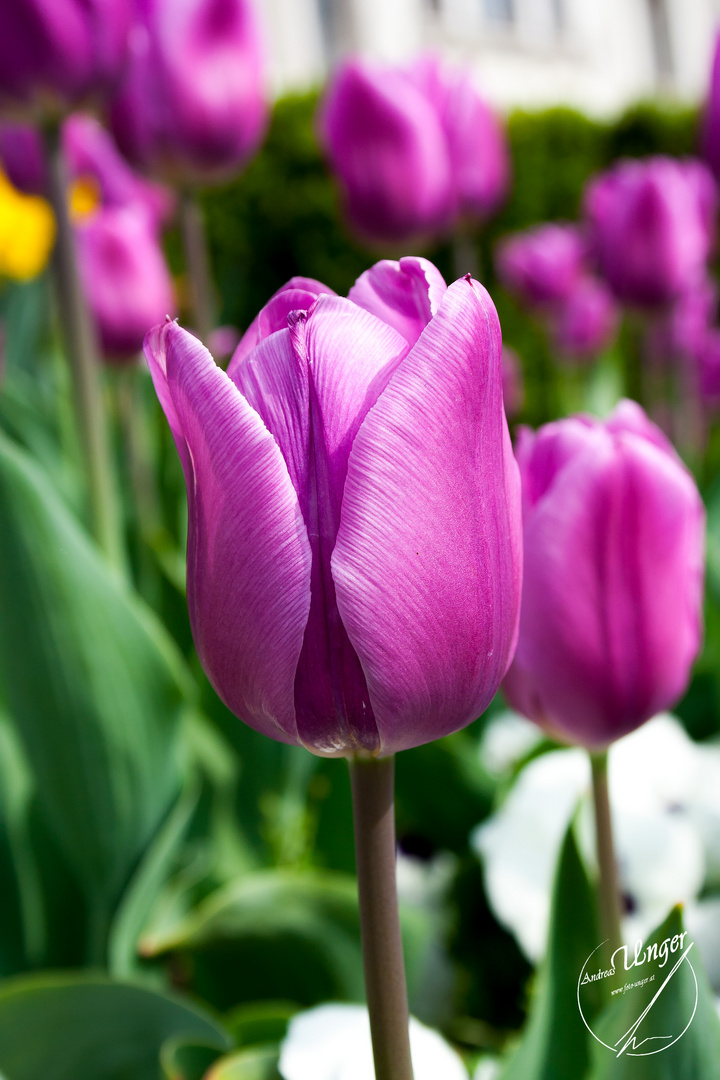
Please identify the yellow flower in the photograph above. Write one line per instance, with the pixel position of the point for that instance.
(27, 232)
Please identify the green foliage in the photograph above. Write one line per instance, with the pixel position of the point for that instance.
(696, 1055)
(82, 1027)
(555, 1043)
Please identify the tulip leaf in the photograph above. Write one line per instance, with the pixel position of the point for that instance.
(184, 1059)
(260, 1022)
(70, 1027)
(555, 1043)
(696, 1053)
(272, 934)
(90, 678)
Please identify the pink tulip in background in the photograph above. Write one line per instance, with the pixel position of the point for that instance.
(125, 277)
(611, 615)
(651, 225)
(586, 323)
(192, 107)
(542, 265)
(415, 149)
(56, 53)
(354, 544)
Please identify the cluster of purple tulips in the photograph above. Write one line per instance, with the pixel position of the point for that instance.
(368, 560)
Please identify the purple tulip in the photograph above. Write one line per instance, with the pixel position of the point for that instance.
(613, 531)
(586, 322)
(56, 53)
(354, 529)
(708, 358)
(479, 157)
(711, 119)
(542, 265)
(386, 143)
(192, 107)
(125, 276)
(652, 225)
(415, 149)
(90, 151)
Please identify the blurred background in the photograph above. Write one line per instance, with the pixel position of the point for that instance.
(147, 833)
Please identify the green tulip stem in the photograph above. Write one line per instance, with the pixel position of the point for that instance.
(374, 816)
(197, 263)
(82, 354)
(465, 252)
(609, 893)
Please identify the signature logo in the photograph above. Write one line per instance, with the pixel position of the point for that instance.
(641, 979)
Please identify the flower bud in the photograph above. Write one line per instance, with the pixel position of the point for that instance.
(192, 108)
(354, 520)
(125, 276)
(651, 227)
(613, 530)
(542, 265)
(56, 53)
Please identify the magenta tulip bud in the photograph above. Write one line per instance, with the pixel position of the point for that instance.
(711, 119)
(23, 157)
(611, 616)
(56, 53)
(477, 145)
(386, 144)
(354, 520)
(585, 323)
(542, 265)
(192, 108)
(125, 276)
(652, 226)
(90, 151)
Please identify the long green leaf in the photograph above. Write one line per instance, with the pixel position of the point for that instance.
(85, 1028)
(91, 679)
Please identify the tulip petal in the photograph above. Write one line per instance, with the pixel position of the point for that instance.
(614, 626)
(403, 294)
(298, 295)
(248, 552)
(313, 385)
(425, 564)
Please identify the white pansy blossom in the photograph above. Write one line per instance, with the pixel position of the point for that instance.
(664, 804)
(332, 1042)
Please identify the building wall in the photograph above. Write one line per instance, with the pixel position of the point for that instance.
(597, 55)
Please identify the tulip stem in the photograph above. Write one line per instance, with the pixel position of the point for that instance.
(374, 816)
(466, 257)
(197, 261)
(82, 353)
(609, 893)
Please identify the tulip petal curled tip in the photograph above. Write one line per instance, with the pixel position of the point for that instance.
(427, 560)
(298, 294)
(248, 552)
(404, 294)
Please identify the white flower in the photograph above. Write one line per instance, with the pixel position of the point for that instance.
(332, 1042)
(507, 738)
(665, 798)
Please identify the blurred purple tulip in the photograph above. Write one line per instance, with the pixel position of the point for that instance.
(23, 157)
(708, 359)
(192, 107)
(354, 542)
(414, 149)
(125, 276)
(542, 265)
(56, 53)
(711, 120)
(387, 146)
(652, 227)
(479, 156)
(613, 581)
(586, 322)
(90, 151)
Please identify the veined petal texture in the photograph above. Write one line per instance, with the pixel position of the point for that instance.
(426, 566)
(404, 294)
(248, 552)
